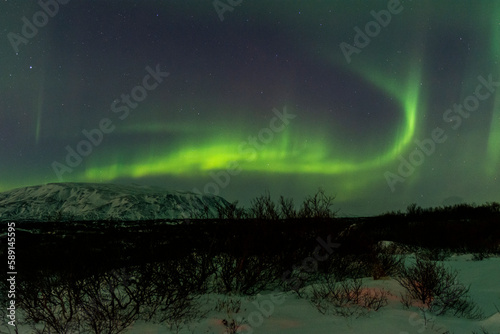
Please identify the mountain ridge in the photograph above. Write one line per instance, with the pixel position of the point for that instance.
(104, 201)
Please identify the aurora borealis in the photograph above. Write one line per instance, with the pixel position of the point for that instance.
(220, 116)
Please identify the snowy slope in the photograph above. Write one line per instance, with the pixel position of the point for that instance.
(95, 201)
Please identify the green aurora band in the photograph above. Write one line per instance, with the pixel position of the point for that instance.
(279, 155)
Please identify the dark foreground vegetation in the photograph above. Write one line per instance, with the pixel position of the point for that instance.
(100, 277)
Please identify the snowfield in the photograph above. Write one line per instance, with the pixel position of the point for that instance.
(279, 312)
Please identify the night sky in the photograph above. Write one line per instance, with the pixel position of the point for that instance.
(380, 103)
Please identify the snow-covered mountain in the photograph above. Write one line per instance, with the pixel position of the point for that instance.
(95, 201)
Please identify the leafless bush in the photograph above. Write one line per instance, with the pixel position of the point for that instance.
(111, 301)
(343, 266)
(197, 270)
(107, 302)
(422, 280)
(100, 303)
(228, 304)
(203, 213)
(230, 211)
(374, 299)
(318, 206)
(179, 312)
(454, 299)
(51, 303)
(170, 299)
(231, 306)
(244, 274)
(347, 298)
(480, 256)
(406, 300)
(385, 263)
(437, 289)
(232, 326)
(264, 208)
(287, 208)
(413, 210)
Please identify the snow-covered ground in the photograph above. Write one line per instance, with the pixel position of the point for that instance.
(285, 312)
(278, 312)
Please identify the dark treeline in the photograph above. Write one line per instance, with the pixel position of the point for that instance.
(265, 228)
